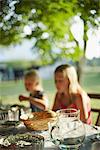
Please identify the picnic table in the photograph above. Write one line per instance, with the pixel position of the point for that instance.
(92, 134)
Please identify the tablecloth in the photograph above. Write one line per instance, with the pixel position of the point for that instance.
(92, 135)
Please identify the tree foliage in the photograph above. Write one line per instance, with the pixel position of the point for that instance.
(48, 22)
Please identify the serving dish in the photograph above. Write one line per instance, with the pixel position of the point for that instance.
(40, 120)
(22, 141)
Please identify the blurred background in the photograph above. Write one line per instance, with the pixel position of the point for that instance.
(39, 34)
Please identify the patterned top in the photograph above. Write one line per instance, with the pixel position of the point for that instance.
(39, 95)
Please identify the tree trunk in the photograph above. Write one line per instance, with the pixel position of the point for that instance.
(81, 62)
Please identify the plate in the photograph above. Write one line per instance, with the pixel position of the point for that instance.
(8, 124)
(20, 141)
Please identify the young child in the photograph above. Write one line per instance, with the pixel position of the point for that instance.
(70, 94)
(37, 99)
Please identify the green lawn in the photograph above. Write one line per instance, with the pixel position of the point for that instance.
(91, 83)
(10, 90)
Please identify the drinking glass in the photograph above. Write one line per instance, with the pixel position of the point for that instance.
(13, 114)
(68, 131)
(96, 146)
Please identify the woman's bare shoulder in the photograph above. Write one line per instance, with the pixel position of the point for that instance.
(77, 96)
(78, 99)
(82, 98)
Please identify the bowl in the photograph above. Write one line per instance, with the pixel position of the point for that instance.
(40, 120)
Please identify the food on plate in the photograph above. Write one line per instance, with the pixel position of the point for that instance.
(20, 141)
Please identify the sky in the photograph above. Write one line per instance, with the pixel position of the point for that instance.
(19, 52)
(24, 52)
(93, 47)
(93, 44)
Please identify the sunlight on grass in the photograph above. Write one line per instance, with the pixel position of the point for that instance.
(9, 91)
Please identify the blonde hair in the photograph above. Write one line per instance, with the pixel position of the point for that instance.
(32, 75)
(70, 72)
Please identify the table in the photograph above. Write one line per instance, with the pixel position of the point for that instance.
(91, 133)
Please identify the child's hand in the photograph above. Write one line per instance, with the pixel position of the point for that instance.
(23, 98)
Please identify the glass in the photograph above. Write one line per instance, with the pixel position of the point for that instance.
(26, 110)
(3, 115)
(68, 131)
(96, 146)
(26, 113)
(13, 114)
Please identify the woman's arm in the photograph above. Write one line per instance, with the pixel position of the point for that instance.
(81, 103)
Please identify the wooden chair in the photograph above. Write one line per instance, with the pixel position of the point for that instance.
(97, 110)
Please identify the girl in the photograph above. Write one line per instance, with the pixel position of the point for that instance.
(38, 101)
(70, 94)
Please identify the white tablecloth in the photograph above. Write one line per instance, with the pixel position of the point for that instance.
(91, 133)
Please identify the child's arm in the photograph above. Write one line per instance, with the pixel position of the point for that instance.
(23, 98)
(40, 103)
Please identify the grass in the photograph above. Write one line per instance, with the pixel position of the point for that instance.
(91, 83)
(9, 91)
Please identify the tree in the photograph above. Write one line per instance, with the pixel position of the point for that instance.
(89, 11)
(48, 22)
